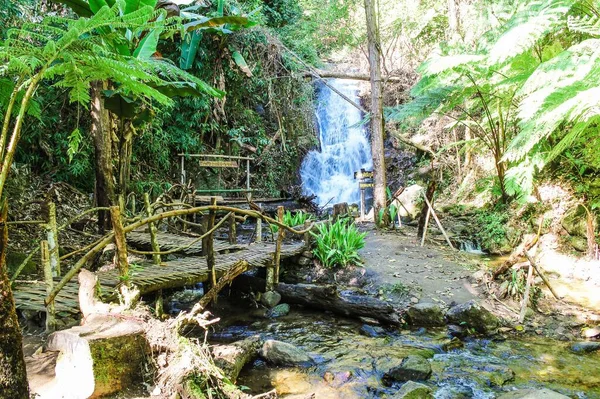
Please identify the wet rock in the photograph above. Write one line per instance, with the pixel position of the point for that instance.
(308, 254)
(413, 390)
(578, 243)
(575, 221)
(473, 316)
(585, 347)
(278, 311)
(187, 296)
(496, 375)
(426, 315)
(456, 331)
(591, 332)
(270, 299)
(284, 354)
(371, 331)
(533, 394)
(454, 343)
(304, 261)
(413, 367)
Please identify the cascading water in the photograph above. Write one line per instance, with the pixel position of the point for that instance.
(345, 149)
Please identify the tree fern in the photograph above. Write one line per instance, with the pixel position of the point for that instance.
(528, 26)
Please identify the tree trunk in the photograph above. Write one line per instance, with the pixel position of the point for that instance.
(125, 153)
(13, 375)
(377, 123)
(101, 132)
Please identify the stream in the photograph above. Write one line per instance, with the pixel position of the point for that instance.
(348, 364)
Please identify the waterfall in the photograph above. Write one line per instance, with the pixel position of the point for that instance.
(328, 173)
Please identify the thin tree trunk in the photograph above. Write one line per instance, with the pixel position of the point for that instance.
(125, 153)
(101, 132)
(429, 194)
(13, 375)
(377, 123)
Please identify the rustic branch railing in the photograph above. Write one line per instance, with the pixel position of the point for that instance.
(212, 210)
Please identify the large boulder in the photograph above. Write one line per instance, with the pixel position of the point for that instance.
(283, 354)
(426, 315)
(473, 316)
(412, 368)
(413, 390)
(533, 394)
(410, 199)
(575, 221)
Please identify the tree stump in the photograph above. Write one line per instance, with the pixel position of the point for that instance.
(99, 358)
(340, 210)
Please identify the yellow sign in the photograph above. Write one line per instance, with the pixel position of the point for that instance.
(362, 186)
(219, 164)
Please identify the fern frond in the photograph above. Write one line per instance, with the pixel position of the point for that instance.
(586, 24)
(529, 26)
(568, 68)
(571, 138)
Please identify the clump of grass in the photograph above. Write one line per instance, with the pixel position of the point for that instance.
(289, 219)
(337, 244)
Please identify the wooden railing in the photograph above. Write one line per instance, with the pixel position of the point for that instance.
(50, 247)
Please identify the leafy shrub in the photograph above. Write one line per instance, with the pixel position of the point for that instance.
(292, 220)
(338, 244)
(493, 231)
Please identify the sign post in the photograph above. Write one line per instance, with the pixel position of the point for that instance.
(365, 180)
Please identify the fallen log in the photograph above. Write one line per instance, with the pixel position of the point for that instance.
(326, 297)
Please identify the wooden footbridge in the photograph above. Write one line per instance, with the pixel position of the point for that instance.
(200, 259)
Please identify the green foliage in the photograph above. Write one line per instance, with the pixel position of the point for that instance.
(337, 244)
(493, 230)
(279, 13)
(516, 285)
(292, 219)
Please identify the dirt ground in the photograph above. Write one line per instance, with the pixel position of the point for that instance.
(432, 273)
(399, 269)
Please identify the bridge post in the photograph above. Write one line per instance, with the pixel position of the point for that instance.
(153, 231)
(210, 253)
(120, 243)
(258, 230)
(232, 229)
(52, 237)
(307, 236)
(46, 264)
(280, 236)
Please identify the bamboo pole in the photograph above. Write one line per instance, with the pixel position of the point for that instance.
(232, 229)
(438, 223)
(121, 244)
(539, 272)
(47, 266)
(307, 235)
(426, 225)
(528, 283)
(210, 253)
(280, 236)
(258, 237)
(52, 237)
(153, 232)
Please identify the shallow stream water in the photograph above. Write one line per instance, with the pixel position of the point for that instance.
(348, 364)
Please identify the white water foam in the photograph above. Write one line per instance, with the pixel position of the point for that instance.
(328, 173)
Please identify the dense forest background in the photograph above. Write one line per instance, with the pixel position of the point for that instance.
(500, 96)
